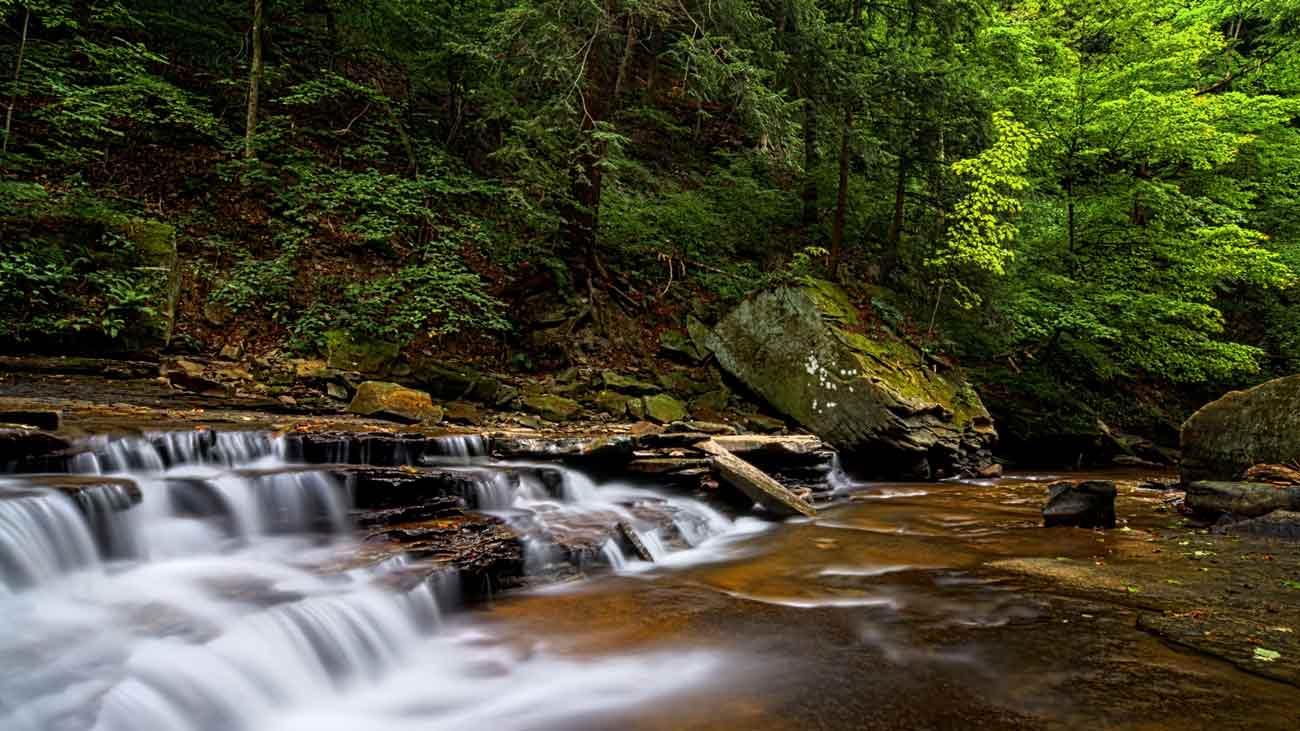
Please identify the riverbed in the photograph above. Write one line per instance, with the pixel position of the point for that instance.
(233, 595)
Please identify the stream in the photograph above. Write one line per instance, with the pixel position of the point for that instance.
(227, 595)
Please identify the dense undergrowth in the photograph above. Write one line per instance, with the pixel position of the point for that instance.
(1087, 202)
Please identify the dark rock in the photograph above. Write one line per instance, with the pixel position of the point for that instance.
(46, 420)
(763, 424)
(1284, 524)
(1088, 504)
(455, 382)
(877, 398)
(1240, 499)
(393, 402)
(680, 345)
(1244, 428)
(612, 403)
(634, 540)
(19, 446)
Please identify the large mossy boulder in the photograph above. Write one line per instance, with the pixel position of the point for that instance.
(1244, 428)
(875, 398)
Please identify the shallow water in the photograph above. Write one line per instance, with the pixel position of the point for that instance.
(216, 604)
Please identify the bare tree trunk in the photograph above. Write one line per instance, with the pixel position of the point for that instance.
(842, 194)
(18, 70)
(809, 163)
(254, 82)
(628, 50)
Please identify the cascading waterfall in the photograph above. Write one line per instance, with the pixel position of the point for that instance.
(216, 604)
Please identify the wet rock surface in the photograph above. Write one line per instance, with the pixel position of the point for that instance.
(1244, 428)
(1087, 504)
(1240, 499)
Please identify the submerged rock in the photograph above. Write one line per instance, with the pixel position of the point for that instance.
(873, 398)
(1088, 504)
(1277, 524)
(1244, 428)
(396, 403)
(1241, 499)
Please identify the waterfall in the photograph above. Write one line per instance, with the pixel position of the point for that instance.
(42, 535)
(212, 585)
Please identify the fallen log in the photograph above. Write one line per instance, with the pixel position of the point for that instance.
(754, 483)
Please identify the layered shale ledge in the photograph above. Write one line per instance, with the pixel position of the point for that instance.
(479, 507)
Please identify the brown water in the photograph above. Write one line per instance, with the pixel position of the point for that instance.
(884, 613)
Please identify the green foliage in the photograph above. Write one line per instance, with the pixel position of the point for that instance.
(981, 233)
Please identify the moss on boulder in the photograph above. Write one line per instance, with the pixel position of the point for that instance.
(1244, 428)
(395, 403)
(551, 407)
(874, 398)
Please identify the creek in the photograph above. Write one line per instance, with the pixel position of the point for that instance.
(215, 582)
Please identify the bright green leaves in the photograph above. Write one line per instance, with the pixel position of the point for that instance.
(982, 230)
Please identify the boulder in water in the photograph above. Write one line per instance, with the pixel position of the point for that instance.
(1244, 428)
(875, 398)
(395, 403)
(1241, 499)
(1087, 504)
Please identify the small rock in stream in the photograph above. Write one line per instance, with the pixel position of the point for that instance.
(1087, 504)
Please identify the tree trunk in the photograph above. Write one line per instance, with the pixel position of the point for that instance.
(890, 257)
(809, 163)
(18, 70)
(841, 194)
(254, 82)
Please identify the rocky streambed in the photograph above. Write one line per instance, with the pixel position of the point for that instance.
(235, 569)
